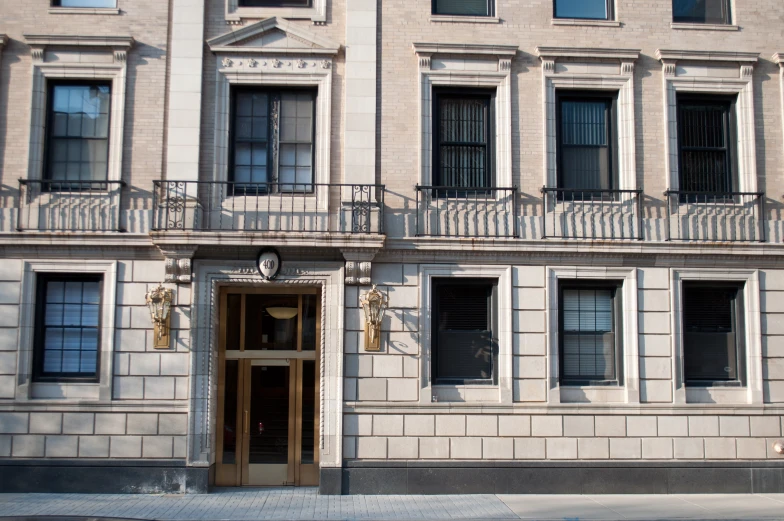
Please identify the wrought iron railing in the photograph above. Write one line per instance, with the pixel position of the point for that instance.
(448, 211)
(267, 207)
(712, 216)
(69, 206)
(592, 214)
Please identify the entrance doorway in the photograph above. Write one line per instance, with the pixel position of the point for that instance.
(268, 387)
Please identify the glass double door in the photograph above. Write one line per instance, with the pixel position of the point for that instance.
(268, 414)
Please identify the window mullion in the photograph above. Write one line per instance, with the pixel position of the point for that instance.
(275, 120)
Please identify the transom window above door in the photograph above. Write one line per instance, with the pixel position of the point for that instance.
(273, 140)
(583, 9)
(463, 7)
(701, 11)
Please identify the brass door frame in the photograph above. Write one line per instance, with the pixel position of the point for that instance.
(237, 473)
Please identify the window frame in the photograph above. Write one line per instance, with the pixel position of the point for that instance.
(282, 3)
(39, 349)
(489, 96)
(73, 184)
(617, 302)
(610, 7)
(492, 307)
(730, 133)
(57, 4)
(490, 10)
(726, 7)
(609, 96)
(739, 326)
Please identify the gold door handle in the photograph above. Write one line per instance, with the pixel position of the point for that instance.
(247, 422)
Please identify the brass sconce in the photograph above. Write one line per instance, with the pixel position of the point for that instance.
(373, 303)
(159, 303)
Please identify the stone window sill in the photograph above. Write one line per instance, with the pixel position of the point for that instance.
(704, 27)
(585, 23)
(440, 18)
(83, 10)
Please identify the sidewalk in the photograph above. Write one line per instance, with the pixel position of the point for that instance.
(306, 504)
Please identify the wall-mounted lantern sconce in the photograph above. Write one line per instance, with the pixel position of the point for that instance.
(779, 447)
(373, 303)
(159, 303)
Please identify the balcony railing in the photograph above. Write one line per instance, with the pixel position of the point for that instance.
(592, 214)
(215, 206)
(448, 211)
(708, 216)
(69, 206)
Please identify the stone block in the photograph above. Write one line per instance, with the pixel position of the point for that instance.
(358, 425)
(62, 446)
(157, 446)
(528, 298)
(403, 389)
(148, 271)
(514, 425)
(173, 424)
(689, 448)
(765, 426)
(128, 388)
(497, 448)
(401, 297)
(5, 445)
(175, 364)
(481, 425)
(46, 423)
(530, 367)
(410, 274)
(450, 425)
(349, 389)
(528, 276)
(543, 426)
(403, 343)
(410, 366)
(593, 448)
(93, 446)
(7, 386)
(653, 278)
(528, 321)
(751, 448)
(125, 447)
(655, 345)
(130, 340)
(78, 423)
(419, 425)
(466, 448)
(734, 426)
(180, 447)
(561, 448)
(703, 426)
(145, 364)
(651, 323)
(372, 448)
(371, 389)
(142, 423)
(656, 391)
(625, 448)
(13, 422)
(641, 426)
(655, 368)
(529, 344)
(433, 448)
(530, 448)
(720, 448)
(181, 387)
(386, 274)
(387, 424)
(11, 269)
(610, 426)
(657, 448)
(578, 426)
(28, 446)
(387, 366)
(8, 362)
(774, 391)
(9, 316)
(9, 339)
(349, 447)
(159, 388)
(359, 366)
(403, 448)
(673, 426)
(526, 391)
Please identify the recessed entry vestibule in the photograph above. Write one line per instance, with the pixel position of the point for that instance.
(268, 386)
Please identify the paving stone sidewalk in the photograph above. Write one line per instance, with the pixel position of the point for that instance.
(306, 504)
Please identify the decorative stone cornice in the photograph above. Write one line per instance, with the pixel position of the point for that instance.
(702, 56)
(551, 53)
(429, 49)
(233, 40)
(119, 45)
(178, 263)
(358, 265)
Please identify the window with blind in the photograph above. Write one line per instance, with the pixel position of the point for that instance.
(84, 3)
(273, 140)
(463, 7)
(590, 339)
(705, 134)
(67, 328)
(464, 345)
(587, 141)
(701, 11)
(713, 350)
(274, 3)
(583, 9)
(78, 131)
(463, 129)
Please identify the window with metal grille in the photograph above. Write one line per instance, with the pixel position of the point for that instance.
(274, 3)
(583, 9)
(705, 133)
(67, 327)
(463, 128)
(701, 11)
(713, 334)
(463, 7)
(78, 131)
(586, 141)
(590, 339)
(84, 3)
(272, 140)
(464, 346)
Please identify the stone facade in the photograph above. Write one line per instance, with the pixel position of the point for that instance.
(374, 65)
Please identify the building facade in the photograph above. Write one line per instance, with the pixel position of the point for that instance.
(572, 211)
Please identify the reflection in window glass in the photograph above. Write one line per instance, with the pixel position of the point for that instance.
(584, 9)
(701, 11)
(84, 3)
(463, 7)
(588, 334)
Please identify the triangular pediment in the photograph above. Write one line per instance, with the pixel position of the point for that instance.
(273, 36)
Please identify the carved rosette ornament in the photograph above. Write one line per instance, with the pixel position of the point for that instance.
(326, 64)
(227, 62)
(358, 273)
(276, 63)
(178, 266)
(301, 64)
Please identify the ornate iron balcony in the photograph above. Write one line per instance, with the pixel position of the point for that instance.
(715, 216)
(592, 214)
(450, 211)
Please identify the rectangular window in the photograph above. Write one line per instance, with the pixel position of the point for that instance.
(583, 9)
(464, 344)
(463, 127)
(706, 129)
(84, 3)
(463, 7)
(701, 11)
(587, 139)
(590, 337)
(67, 327)
(274, 3)
(78, 131)
(272, 140)
(713, 349)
